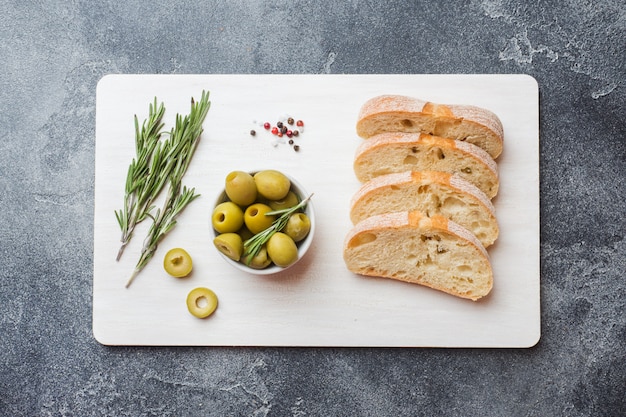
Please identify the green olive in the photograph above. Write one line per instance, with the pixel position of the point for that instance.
(255, 219)
(227, 217)
(177, 263)
(260, 261)
(272, 184)
(230, 244)
(240, 188)
(290, 200)
(298, 226)
(201, 302)
(282, 250)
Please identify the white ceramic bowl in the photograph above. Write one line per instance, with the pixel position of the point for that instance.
(303, 245)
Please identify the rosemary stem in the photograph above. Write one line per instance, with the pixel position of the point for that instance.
(132, 278)
(121, 251)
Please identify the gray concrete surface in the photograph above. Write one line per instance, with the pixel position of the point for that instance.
(54, 52)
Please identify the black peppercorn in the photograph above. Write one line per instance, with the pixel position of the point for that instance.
(279, 125)
(296, 148)
(290, 120)
(295, 133)
(252, 132)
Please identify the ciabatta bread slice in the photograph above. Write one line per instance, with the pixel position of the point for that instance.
(431, 251)
(388, 153)
(396, 113)
(431, 192)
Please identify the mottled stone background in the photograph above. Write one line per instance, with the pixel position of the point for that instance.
(54, 52)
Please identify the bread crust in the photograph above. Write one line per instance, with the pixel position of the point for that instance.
(419, 148)
(397, 113)
(429, 192)
(363, 238)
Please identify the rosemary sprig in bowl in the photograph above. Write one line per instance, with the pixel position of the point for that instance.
(252, 246)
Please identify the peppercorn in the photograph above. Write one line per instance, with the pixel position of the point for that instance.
(279, 125)
(290, 120)
(274, 130)
(295, 133)
(299, 123)
(283, 130)
(296, 148)
(252, 132)
(266, 125)
(289, 133)
(291, 141)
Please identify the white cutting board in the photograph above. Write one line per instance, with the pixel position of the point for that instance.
(317, 302)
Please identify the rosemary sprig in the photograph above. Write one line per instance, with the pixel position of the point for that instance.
(252, 246)
(164, 221)
(173, 157)
(140, 189)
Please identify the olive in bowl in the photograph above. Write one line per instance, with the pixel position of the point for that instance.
(278, 224)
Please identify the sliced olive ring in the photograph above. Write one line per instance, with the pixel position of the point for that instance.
(201, 302)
